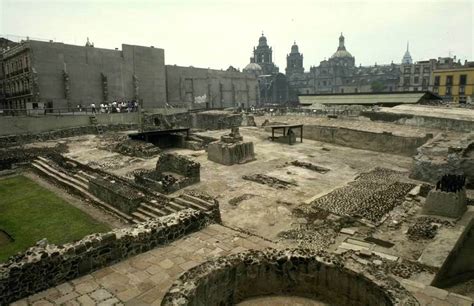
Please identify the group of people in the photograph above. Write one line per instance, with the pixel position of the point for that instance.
(113, 107)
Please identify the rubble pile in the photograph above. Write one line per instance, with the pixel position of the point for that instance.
(371, 196)
(269, 180)
(425, 228)
(136, 148)
(309, 166)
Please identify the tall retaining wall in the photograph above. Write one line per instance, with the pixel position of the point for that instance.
(45, 266)
(374, 141)
(422, 121)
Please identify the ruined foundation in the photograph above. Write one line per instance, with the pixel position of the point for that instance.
(231, 279)
(231, 149)
(446, 204)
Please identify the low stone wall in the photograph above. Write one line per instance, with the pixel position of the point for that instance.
(374, 141)
(178, 164)
(116, 193)
(421, 121)
(231, 153)
(215, 120)
(231, 279)
(45, 266)
(19, 139)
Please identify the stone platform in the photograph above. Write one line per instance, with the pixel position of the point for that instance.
(231, 149)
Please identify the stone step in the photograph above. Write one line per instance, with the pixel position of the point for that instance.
(60, 173)
(86, 175)
(175, 206)
(163, 207)
(190, 204)
(139, 216)
(82, 178)
(84, 192)
(147, 213)
(155, 210)
(191, 198)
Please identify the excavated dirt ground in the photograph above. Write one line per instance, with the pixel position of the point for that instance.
(267, 209)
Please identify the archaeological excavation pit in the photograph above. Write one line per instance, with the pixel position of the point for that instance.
(290, 274)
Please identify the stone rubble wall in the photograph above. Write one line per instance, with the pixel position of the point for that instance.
(231, 279)
(231, 153)
(178, 164)
(47, 265)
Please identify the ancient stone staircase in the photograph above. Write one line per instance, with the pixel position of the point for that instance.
(78, 184)
(151, 208)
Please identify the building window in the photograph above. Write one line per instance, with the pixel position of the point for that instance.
(417, 80)
(463, 79)
(415, 88)
(426, 69)
(425, 81)
(406, 80)
(435, 89)
(437, 80)
(357, 90)
(462, 90)
(324, 83)
(448, 90)
(449, 80)
(407, 70)
(417, 70)
(342, 90)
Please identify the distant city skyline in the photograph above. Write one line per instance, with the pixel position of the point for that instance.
(218, 34)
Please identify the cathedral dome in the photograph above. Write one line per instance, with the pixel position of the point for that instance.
(253, 67)
(341, 50)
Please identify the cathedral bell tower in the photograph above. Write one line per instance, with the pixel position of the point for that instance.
(294, 61)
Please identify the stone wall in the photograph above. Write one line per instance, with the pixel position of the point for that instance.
(459, 265)
(231, 279)
(35, 125)
(178, 164)
(421, 121)
(446, 204)
(215, 120)
(381, 142)
(116, 193)
(445, 154)
(20, 139)
(47, 265)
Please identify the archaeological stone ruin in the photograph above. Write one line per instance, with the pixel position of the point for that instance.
(207, 207)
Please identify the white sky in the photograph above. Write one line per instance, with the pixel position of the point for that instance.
(219, 33)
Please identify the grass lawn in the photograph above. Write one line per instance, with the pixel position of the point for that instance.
(29, 212)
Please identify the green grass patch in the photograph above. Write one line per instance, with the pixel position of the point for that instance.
(29, 212)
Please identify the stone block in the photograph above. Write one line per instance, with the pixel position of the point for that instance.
(446, 204)
(231, 153)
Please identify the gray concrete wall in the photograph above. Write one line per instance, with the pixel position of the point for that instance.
(193, 87)
(33, 125)
(84, 65)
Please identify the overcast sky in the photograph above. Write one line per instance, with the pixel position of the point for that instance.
(219, 33)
